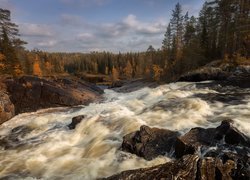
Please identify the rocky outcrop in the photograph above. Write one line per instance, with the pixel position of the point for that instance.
(213, 153)
(135, 85)
(233, 74)
(185, 168)
(149, 142)
(7, 110)
(75, 120)
(190, 167)
(29, 93)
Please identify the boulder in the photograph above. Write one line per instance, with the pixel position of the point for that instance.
(200, 138)
(75, 120)
(149, 142)
(29, 93)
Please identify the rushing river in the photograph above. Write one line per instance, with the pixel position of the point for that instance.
(52, 151)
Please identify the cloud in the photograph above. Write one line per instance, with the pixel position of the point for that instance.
(142, 27)
(37, 30)
(6, 4)
(49, 43)
(71, 20)
(127, 34)
(84, 3)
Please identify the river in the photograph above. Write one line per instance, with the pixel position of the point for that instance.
(51, 151)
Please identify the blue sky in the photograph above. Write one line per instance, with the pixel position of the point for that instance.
(94, 25)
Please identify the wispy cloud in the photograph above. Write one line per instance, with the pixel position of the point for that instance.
(84, 3)
(37, 30)
(127, 34)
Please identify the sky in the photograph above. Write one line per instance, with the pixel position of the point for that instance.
(94, 25)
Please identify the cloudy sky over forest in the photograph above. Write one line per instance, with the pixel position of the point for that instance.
(94, 25)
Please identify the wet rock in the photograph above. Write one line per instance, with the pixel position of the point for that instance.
(29, 93)
(7, 109)
(191, 167)
(239, 158)
(231, 134)
(149, 142)
(200, 138)
(190, 142)
(76, 120)
(185, 168)
(207, 154)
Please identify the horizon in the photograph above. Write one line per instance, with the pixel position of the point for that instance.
(84, 26)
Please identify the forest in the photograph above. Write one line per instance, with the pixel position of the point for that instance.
(220, 32)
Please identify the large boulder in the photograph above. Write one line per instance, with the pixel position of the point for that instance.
(201, 139)
(149, 142)
(29, 93)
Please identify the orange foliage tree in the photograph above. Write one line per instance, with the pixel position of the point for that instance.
(36, 67)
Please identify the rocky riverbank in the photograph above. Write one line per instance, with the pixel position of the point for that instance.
(29, 93)
(229, 73)
(213, 153)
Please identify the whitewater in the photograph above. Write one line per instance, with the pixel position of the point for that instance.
(92, 150)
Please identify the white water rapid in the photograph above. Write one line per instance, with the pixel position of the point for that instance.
(52, 151)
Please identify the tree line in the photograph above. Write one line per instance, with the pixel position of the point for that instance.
(221, 31)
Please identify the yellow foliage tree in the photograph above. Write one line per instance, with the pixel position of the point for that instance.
(157, 70)
(36, 67)
(48, 67)
(18, 70)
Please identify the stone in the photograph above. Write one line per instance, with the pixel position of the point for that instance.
(75, 120)
(149, 142)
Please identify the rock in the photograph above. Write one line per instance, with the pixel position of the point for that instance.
(213, 153)
(116, 84)
(238, 157)
(136, 84)
(76, 120)
(184, 168)
(191, 167)
(29, 93)
(149, 142)
(231, 74)
(7, 109)
(200, 138)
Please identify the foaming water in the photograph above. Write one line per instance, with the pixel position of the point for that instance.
(52, 151)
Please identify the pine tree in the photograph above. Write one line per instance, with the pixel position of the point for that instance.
(167, 42)
(177, 30)
(9, 42)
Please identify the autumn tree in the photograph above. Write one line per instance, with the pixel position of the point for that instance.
(36, 67)
(128, 70)
(157, 72)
